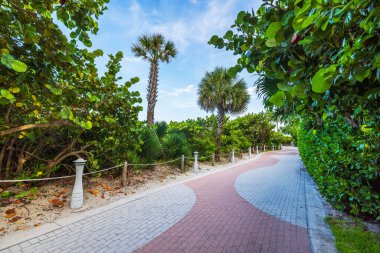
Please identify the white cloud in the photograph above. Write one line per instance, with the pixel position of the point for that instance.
(187, 105)
(135, 7)
(133, 59)
(194, 27)
(179, 91)
(251, 90)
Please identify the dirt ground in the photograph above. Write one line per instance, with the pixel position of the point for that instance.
(51, 200)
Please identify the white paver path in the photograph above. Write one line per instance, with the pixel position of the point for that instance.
(122, 229)
(278, 190)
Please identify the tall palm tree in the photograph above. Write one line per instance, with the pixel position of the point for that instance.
(219, 92)
(155, 49)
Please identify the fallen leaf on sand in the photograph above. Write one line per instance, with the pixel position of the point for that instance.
(14, 219)
(63, 192)
(56, 202)
(106, 187)
(37, 224)
(94, 192)
(1, 190)
(23, 227)
(2, 229)
(9, 211)
(17, 201)
(10, 215)
(103, 195)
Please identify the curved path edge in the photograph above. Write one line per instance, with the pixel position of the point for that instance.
(22, 236)
(321, 238)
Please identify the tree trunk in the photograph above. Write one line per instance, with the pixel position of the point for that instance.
(219, 134)
(53, 162)
(21, 160)
(9, 159)
(31, 126)
(2, 154)
(152, 91)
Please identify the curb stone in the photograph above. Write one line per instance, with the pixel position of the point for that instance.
(321, 238)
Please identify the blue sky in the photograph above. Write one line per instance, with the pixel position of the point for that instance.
(190, 24)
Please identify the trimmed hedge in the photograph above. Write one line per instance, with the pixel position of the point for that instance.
(344, 163)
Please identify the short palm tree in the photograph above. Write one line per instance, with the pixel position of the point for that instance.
(155, 49)
(219, 92)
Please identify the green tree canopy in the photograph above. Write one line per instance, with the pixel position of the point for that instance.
(320, 60)
(53, 102)
(219, 92)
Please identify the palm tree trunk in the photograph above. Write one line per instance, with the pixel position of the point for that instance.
(152, 91)
(219, 134)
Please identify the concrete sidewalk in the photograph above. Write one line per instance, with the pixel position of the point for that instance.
(259, 205)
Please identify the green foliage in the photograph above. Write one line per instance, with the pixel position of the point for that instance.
(161, 128)
(155, 49)
(200, 133)
(336, 39)
(52, 91)
(220, 92)
(175, 145)
(234, 137)
(290, 128)
(151, 149)
(31, 193)
(343, 164)
(320, 60)
(6, 194)
(353, 236)
(223, 94)
(251, 130)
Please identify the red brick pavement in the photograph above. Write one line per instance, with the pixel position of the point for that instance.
(222, 221)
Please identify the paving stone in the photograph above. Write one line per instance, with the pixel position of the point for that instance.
(226, 220)
(159, 210)
(258, 206)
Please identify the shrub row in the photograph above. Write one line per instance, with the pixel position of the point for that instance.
(344, 163)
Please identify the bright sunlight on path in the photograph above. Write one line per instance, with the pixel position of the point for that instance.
(256, 206)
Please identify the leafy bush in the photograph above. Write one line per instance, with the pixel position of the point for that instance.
(234, 137)
(151, 149)
(161, 128)
(200, 133)
(344, 164)
(175, 145)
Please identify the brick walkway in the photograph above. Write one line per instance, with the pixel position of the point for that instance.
(258, 206)
(223, 221)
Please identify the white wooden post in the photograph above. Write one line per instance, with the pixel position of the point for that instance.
(77, 194)
(257, 149)
(249, 152)
(264, 148)
(272, 147)
(195, 162)
(281, 146)
(233, 156)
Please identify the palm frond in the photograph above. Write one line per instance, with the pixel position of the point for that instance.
(266, 87)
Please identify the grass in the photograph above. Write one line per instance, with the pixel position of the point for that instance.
(352, 236)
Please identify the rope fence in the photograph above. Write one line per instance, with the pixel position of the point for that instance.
(77, 194)
(230, 154)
